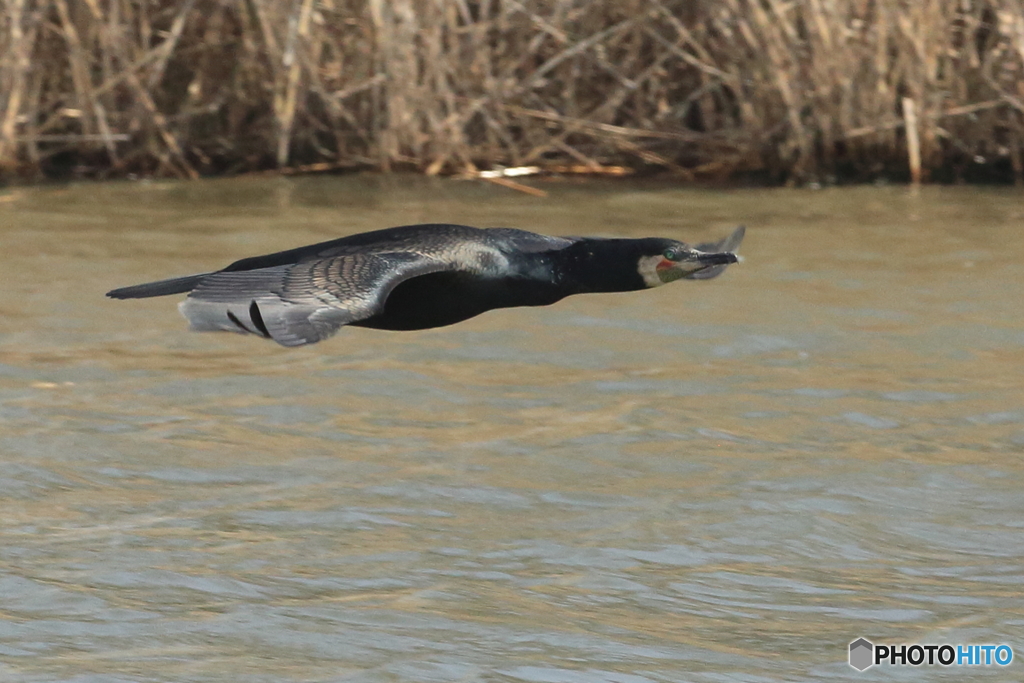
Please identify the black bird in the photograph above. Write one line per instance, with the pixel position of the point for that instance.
(421, 276)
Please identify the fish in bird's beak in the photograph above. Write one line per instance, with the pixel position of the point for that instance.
(712, 258)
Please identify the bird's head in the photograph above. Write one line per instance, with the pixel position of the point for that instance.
(664, 260)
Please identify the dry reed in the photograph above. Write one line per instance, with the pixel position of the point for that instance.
(798, 90)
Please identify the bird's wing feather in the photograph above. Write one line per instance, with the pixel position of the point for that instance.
(529, 242)
(306, 302)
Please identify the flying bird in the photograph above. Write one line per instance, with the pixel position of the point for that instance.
(421, 276)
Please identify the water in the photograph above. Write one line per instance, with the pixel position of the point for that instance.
(713, 481)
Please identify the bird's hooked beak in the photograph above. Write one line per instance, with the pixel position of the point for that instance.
(693, 263)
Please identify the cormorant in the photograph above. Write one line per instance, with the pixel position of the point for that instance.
(421, 276)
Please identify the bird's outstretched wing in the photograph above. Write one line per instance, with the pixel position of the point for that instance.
(729, 244)
(305, 302)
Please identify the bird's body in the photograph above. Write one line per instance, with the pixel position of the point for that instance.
(422, 276)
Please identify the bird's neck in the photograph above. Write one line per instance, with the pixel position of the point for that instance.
(602, 265)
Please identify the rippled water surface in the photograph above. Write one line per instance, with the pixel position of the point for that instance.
(713, 481)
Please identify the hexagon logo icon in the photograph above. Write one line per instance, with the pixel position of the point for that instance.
(862, 653)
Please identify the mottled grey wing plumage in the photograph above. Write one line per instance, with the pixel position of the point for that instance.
(304, 295)
(303, 302)
(528, 242)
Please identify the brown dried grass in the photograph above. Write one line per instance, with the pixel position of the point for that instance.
(799, 90)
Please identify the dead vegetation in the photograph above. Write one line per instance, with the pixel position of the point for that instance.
(794, 90)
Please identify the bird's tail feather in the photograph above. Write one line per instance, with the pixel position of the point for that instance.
(177, 285)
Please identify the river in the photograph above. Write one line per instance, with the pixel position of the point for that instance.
(715, 481)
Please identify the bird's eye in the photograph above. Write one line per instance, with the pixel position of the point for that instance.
(671, 255)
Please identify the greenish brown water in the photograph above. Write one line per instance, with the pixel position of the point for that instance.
(713, 481)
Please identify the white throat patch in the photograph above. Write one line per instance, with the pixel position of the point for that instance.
(648, 269)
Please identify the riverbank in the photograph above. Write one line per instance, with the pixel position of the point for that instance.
(809, 91)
